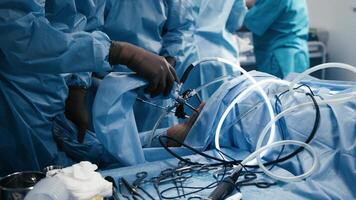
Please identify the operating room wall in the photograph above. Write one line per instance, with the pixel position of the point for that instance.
(338, 17)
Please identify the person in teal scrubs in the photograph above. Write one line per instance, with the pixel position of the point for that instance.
(280, 34)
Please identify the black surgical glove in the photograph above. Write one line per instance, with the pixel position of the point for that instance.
(160, 74)
(76, 110)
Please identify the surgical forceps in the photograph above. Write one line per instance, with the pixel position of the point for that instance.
(157, 180)
(165, 176)
(140, 179)
(184, 167)
(177, 175)
(132, 190)
(249, 178)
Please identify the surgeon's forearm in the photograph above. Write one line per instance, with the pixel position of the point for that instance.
(30, 43)
(179, 25)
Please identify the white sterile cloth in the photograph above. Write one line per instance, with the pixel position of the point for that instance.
(79, 182)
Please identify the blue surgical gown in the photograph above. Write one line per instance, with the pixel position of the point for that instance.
(33, 54)
(72, 16)
(280, 33)
(207, 29)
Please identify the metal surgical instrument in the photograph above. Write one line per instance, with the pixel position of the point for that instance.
(157, 180)
(249, 180)
(132, 190)
(140, 177)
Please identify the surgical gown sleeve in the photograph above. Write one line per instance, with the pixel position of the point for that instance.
(178, 35)
(30, 43)
(72, 16)
(262, 15)
(237, 16)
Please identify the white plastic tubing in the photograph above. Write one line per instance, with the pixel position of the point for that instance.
(256, 86)
(241, 96)
(320, 67)
(261, 150)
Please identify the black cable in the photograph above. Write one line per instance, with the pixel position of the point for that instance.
(235, 162)
(186, 73)
(281, 126)
(160, 138)
(308, 140)
(225, 163)
(282, 122)
(197, 189)
(312, 134)
(144, 191)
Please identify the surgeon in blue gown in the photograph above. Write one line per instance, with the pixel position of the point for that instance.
(280, 34)
(186, 30)
(144, 29)
(35, 51)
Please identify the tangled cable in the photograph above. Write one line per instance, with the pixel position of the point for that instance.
(261, 150)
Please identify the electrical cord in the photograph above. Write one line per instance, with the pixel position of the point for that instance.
(225, 187)
(259, 147)
(235, 162)
(163, 144)
(316, 124)
(195, 188)
(183, 97)
(281, 127)
(310, 137)
(242, 95)
(146, 193)
(249, 77)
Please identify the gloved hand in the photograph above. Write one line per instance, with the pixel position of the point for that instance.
(76, 110)
(160, 74)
